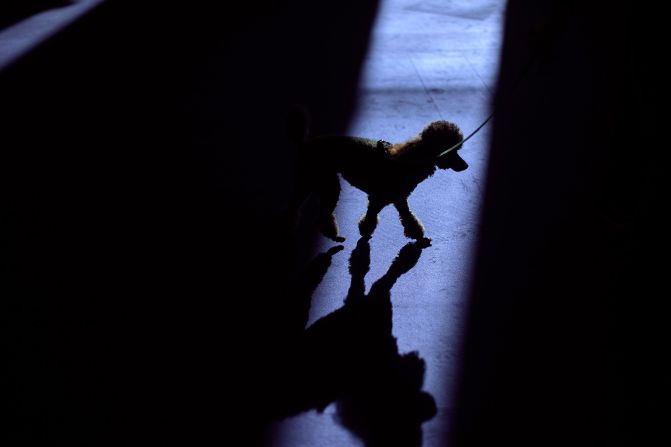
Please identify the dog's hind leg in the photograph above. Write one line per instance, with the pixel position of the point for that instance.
(368, 221)
(329, 191)
(412, 227)
(298, 198)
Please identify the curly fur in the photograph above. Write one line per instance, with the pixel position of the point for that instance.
(388, 173)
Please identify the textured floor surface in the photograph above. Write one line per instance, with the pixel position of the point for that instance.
(429, 60)
(22, 36)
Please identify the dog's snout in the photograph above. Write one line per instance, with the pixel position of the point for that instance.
(458, 163)
(452, 161)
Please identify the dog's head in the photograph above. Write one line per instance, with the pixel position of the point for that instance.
(439, 136)
(394, 396)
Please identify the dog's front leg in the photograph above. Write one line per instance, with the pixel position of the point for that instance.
(329, 191)
(412, 227)
(368, 221)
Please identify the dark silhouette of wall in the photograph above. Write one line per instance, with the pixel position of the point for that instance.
(568, 326)
(145, 170)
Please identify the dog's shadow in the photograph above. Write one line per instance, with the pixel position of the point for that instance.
(350, 357)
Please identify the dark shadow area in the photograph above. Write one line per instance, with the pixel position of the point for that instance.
(351, 357)
(12, 11)
(144, 174)
(568, 328)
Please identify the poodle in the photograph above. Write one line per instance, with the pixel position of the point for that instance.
(387, 173)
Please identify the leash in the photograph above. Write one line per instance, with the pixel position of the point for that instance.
(447, 151)
(522, 75)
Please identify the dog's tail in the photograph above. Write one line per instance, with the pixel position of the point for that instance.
(298, 124)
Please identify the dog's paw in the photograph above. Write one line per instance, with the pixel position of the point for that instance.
(416, 235)
(334, 237)
(333, 250)
(424, 242)
(329, 228)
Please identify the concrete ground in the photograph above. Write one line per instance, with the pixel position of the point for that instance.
(429, 60)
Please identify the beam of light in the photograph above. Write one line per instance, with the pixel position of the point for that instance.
(26, 35)
(428, 60)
